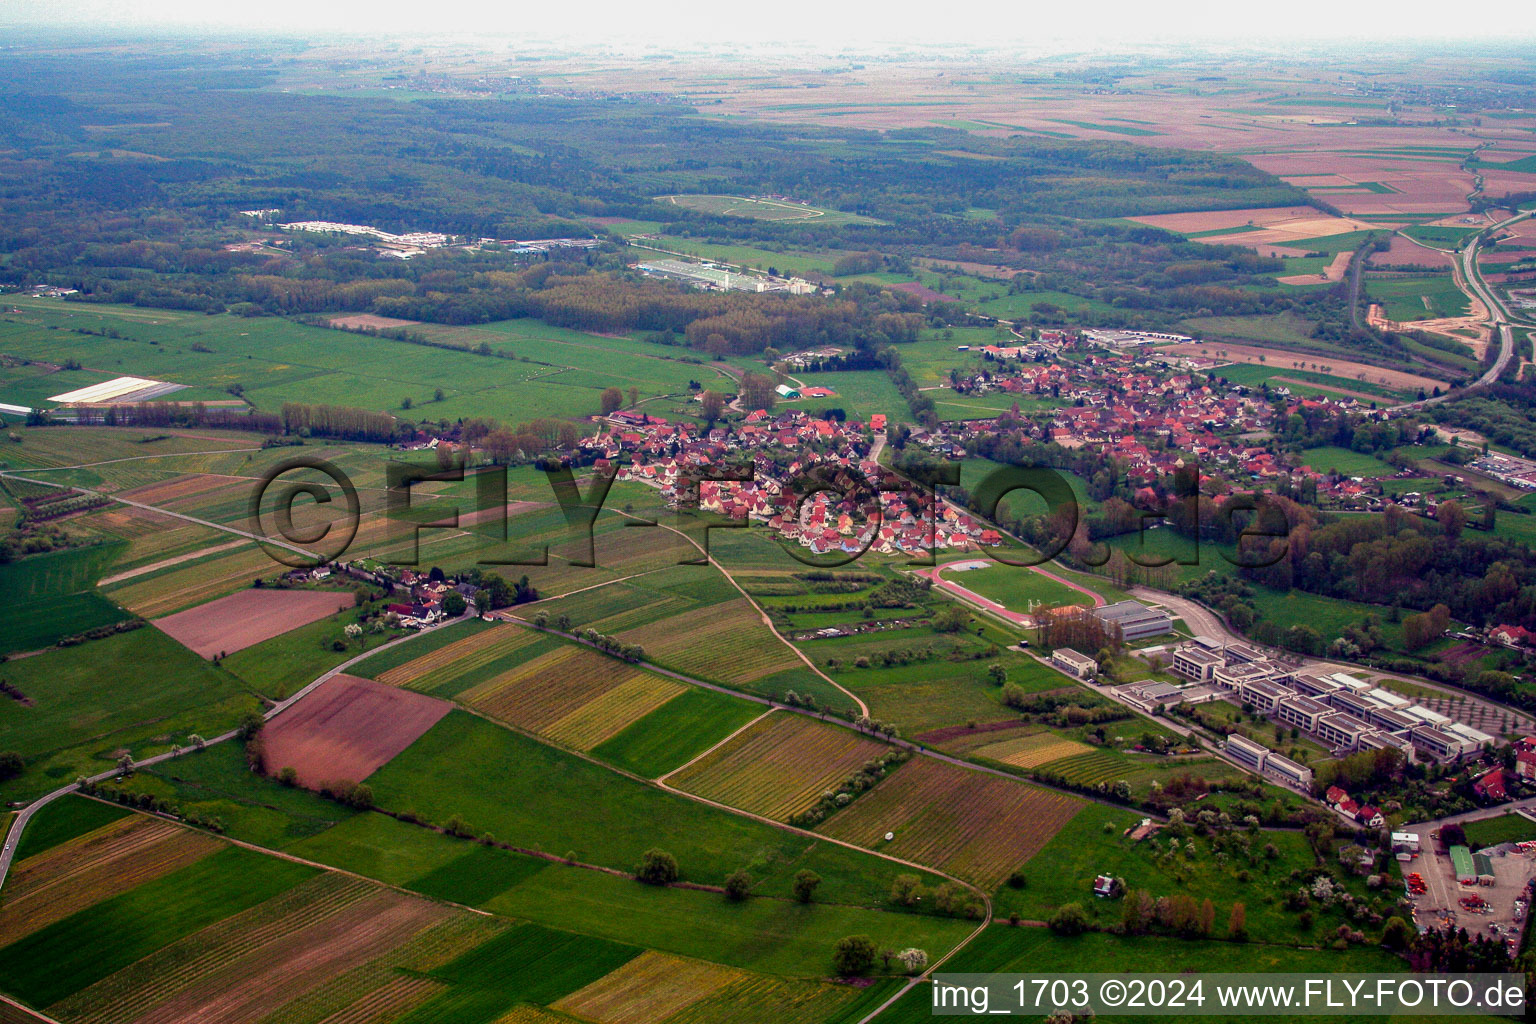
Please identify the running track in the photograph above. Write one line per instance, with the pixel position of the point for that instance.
(1017, 618)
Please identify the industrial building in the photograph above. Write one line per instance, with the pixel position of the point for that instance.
(1136, 620)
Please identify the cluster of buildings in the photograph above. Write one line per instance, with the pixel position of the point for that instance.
(1130, 339)
(1151, 420)
(1366, 814)
(403, 247)
(1343, 713)
(1510, 469)
(715, 277)
(421, 602)
(671, 456)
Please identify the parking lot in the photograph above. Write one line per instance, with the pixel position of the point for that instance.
(1441, 903)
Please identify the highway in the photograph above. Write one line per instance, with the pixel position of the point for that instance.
(1472, 282)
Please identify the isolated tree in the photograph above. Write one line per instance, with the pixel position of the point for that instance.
(853, 955)
(1069, 919)
(405, 403)
(714, 406)
(806, 882)
(912, 960)
(454, 604)
(997, 674)
(12, 764)
(288, 776)
(1397, 934)
(612, 400)
(906, 890)
(738, 885)
(657, 867)
(1451, 517)
(1237, 923)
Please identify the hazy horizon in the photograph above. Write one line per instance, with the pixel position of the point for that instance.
(1119, 24)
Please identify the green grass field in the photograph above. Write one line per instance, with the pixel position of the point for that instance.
(596, 816)
(1507, 828)
(1063, 872)
(57, 590)
(155, 693)
(63, 820)
(676, 732)
(1017, 589)
(538, 369)
(1424, 297)
(762, 209)
(1350, 463)
(774, 936)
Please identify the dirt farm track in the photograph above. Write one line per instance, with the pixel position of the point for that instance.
(248, 617)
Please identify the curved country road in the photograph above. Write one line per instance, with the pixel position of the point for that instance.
(12, 839)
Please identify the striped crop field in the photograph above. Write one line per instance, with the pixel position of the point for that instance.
(1091, 768)
(974, 825)
(192, 583)
(779, 766)
(474, 651)
(382, 983)
(647, 990)
(525, 1013)
(758, 999)
(1030, 751)
(606, 716)
(726, 641)
(256, 963)
(539, 694)
(56, 883)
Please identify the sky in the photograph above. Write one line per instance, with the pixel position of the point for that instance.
(826, 24)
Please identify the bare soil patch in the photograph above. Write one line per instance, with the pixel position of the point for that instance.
(922, 291)
(1281, 359)
(248, 617)
(369, 320)
(1333, 272)
(347, 728)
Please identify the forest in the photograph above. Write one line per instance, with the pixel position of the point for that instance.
(126, 179)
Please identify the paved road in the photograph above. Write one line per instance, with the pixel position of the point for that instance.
(1472, 282)
(12, 840)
